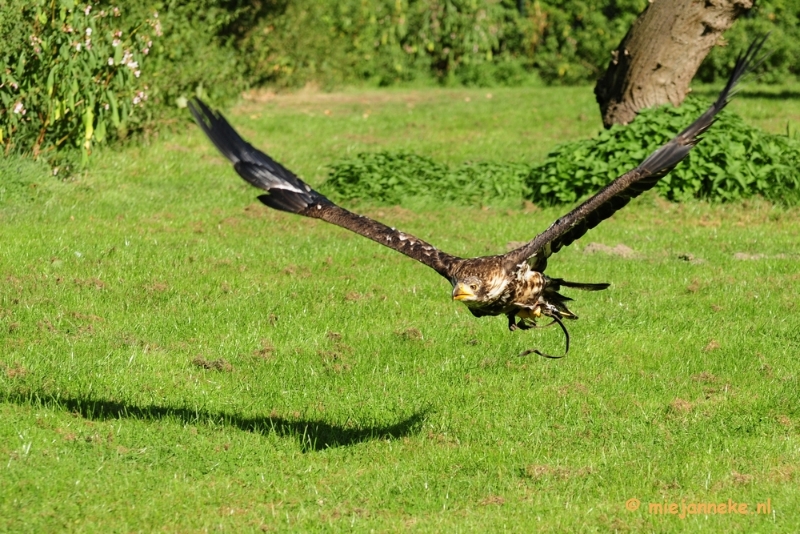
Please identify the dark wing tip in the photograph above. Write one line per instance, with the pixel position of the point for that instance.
(665, 158)
(219, 131)
(289, 193)
(745, 64)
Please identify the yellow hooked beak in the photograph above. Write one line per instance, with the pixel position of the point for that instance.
(462, 292)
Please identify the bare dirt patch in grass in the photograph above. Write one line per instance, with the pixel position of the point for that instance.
(623, 251)
(213, 365)
(539, 472)
(680, 406)
(411, 334)
(495, 500)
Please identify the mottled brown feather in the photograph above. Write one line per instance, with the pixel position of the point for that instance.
(402, 242)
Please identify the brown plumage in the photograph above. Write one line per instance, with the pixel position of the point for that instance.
(512, 284)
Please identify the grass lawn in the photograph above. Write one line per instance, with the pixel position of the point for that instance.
(175, 356)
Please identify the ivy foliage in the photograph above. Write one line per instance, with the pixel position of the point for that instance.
(733, 161)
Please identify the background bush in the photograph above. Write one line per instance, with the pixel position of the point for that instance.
(63, 88)
(478, 42)
(733, 161)
(782, 18)
(72, 75)
(453, 41)
(397, 177)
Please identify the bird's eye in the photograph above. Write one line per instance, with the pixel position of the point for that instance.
(473, 287)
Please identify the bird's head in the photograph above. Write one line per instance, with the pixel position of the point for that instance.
(468, 289)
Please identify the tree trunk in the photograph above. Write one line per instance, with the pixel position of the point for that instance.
(661, 53)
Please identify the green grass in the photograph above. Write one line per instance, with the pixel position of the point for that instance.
(353, 392)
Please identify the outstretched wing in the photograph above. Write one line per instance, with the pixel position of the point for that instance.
(618, 193)
(289, 193)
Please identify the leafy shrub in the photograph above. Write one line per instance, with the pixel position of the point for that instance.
(732, 161)
(74, 75)
(454, 41)
(385, 42)
(476, 42)
(198, 53)
(396, 177)
(77, 79)
(572, 41)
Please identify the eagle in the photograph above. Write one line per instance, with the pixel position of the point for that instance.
(512, 284)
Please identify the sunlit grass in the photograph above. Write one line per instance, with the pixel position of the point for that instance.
(175, 356)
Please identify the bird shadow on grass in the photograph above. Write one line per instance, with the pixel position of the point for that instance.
(313, 435)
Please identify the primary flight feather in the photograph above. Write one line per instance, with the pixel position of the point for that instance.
(512, 284)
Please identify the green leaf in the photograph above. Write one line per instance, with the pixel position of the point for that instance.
(50, 80)
(100, 131)
(112, 101)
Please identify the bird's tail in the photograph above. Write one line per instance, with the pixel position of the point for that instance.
(558, 283)
(555, 302)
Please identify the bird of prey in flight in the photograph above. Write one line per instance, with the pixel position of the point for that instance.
(511, 284)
